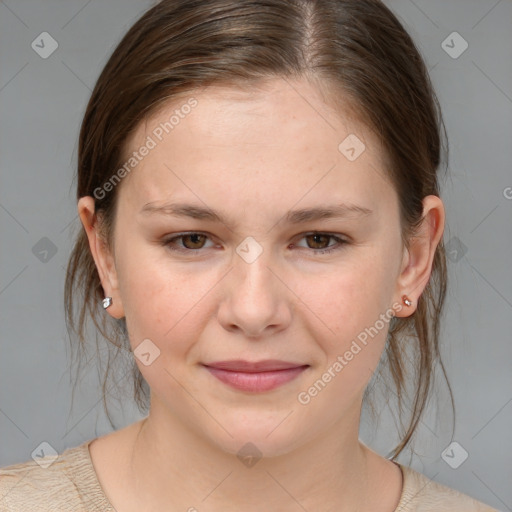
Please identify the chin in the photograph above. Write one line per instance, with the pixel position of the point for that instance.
(250, 448)
(256, 438)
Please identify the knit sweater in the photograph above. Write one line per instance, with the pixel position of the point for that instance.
(70, 484)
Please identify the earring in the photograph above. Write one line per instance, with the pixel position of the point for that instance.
(107, 301)
(406, 300)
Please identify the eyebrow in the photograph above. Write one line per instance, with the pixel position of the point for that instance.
(291, 217)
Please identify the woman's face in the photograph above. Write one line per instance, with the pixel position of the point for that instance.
(256, 285)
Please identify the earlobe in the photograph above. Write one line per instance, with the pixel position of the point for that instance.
(419, 256)
(406, 300)
(101, 254)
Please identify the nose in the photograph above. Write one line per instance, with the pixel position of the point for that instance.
(255, 302)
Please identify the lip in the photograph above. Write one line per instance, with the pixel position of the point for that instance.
(240, 365)
(255, 376)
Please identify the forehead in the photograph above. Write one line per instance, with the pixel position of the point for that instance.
(280, 135)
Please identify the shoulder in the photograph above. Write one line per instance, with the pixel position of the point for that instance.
(67, 482)
(421, 494)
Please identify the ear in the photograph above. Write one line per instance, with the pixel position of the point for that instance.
(103, 258)
(418, 258)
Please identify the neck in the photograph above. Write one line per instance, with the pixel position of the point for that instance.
(172, 463)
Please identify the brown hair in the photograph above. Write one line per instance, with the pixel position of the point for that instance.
(358, 47)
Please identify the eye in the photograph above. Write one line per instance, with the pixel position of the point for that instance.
(191, 241)
(320, 239)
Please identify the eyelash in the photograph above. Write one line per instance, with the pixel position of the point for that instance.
(340, 242)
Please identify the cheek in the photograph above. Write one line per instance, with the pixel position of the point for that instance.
(169, 308)
(349, 298)
(350, 304)
(352, 311)
(164, 302)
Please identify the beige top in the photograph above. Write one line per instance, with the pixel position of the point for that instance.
(70, 484)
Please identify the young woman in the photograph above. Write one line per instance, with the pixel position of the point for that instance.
(257, 183)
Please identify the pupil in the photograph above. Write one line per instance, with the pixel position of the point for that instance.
(316, 236)
(194, 238)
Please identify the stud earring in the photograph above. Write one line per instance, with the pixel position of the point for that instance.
(406, 300)
(107, 301)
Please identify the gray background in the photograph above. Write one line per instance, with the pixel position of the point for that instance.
(41, 105)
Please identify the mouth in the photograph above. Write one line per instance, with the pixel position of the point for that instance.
(255, 376)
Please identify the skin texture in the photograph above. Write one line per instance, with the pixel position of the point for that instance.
(252, 156)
